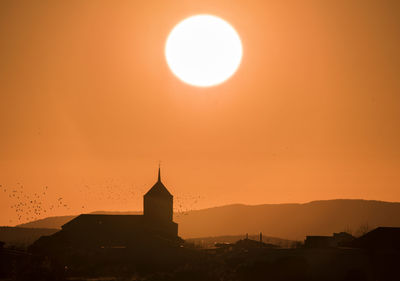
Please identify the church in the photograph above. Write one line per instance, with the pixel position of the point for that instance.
(93, 231)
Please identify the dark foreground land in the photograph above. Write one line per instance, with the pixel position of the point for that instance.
(371, 257)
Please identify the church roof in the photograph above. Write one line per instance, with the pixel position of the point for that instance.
(116, 221)
(158, 189)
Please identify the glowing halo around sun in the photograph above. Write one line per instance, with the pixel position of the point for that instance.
(203, 50)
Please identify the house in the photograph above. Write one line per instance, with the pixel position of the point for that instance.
(336, 240)
(381, 238)
(319, 242)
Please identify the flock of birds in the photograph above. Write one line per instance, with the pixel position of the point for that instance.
(30, 206)
(113, 195)
(109, 193)
(184, 203)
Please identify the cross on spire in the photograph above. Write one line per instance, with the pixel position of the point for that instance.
(159, 172)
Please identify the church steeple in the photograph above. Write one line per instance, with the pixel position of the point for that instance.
(158, 202)
(158, 188)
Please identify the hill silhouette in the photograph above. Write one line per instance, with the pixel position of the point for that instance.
(291, 221)
(49, 222)
(287, 221)
(20, 237)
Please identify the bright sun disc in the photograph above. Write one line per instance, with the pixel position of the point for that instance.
(203, 50)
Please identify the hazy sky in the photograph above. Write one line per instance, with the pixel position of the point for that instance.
(88, 106)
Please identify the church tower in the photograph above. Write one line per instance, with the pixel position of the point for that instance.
(158, 202)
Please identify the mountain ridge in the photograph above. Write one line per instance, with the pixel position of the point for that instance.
(288, 220)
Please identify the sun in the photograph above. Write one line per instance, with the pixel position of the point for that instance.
(203, 50)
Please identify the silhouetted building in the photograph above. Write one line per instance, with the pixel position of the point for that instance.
(381, 238)
(343, 238)
(158, 203)
(92, 231)
(247, 244)
(319, 242)
(336, 240)
(383, 247)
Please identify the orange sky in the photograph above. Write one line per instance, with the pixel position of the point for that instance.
(88, 105)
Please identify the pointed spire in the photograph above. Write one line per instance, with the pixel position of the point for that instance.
(158, 188)
(159, 172)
